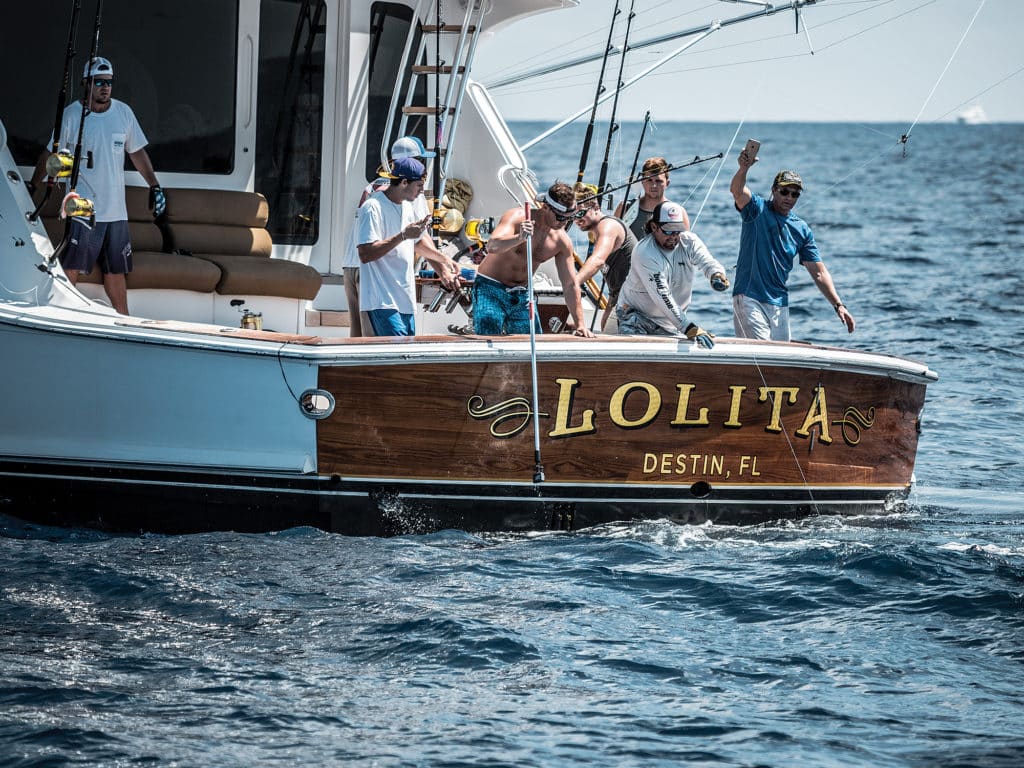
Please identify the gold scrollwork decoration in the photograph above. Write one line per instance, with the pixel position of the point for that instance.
(853, 421)
(518, 408)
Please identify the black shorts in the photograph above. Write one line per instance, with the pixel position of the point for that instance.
(107, 242)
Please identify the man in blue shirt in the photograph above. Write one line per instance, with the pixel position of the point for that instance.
(771, 239)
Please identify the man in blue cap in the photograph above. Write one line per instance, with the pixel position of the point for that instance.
(771, 239)
(404, 147)
(389, 237)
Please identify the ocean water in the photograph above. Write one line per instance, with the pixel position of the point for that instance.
(892, 640)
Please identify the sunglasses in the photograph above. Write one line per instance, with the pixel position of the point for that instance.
(570, 216)
(786, 192)
(103, 83)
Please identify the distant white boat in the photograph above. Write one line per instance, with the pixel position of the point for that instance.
(972, 115)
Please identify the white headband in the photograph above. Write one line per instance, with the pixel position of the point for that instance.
(544, 198)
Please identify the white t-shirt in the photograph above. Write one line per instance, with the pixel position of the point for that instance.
(660, 282)
(387, 282)
(351, 258)
(108, 136)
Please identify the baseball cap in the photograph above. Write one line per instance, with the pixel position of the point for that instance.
(98, 67)
(788, 179)
(408, 168)
(669, 216)
(409, 146)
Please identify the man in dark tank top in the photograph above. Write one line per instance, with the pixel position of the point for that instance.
(613, 244)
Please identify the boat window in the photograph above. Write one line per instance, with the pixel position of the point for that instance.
(289, 121)
(175, 66)
(389, 28)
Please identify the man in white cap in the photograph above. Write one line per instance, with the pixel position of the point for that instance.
(110, 131)
(406, 146)
(771, 239)
(657, 292)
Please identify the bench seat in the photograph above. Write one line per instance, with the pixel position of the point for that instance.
(220, 243)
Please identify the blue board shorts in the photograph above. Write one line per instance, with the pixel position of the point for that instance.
(391, 322)
(499, 309)
(107, 242)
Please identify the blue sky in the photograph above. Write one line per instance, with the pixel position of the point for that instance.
(874, 60)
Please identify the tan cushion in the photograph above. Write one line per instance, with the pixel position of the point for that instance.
(166, 270)
(217, 206)
(220, 238)
(244, 275)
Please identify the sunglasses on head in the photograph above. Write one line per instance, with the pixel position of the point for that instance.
(787, 192)
(103, 82)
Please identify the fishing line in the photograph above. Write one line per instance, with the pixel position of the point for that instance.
(944, 70)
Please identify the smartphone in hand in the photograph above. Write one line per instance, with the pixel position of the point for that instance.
(753, 145)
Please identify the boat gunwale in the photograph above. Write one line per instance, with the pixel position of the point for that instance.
(459, 349)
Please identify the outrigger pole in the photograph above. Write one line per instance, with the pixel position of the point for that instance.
(663, 60)
(585, 153)
(62, 102)
(73, 206)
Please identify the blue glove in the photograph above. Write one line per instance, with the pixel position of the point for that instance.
(695, 333)
(719, 281)
(157, 201)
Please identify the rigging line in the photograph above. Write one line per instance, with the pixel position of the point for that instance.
(979, 93)
(772, 38)
(789, 441)
(944, 70)
(732, 143)
(784, 57)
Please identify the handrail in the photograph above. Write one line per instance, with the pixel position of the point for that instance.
(463, 80)
(385, 144)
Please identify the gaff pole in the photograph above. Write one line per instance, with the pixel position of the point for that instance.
(538, 465)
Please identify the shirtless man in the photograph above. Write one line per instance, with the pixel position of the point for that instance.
(500, 289)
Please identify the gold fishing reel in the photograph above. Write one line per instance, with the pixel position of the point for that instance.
(479, 230)
(76, 207)
(59, 164)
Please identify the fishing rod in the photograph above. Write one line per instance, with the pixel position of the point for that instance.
(54, 159)
(613, 126)
(626, 202)
(616, 187)
(74, 206)
(585, 154)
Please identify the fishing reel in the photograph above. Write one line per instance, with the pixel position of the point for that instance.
(59, 164)
(479, 230)
(73, 206)
(251, 321)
